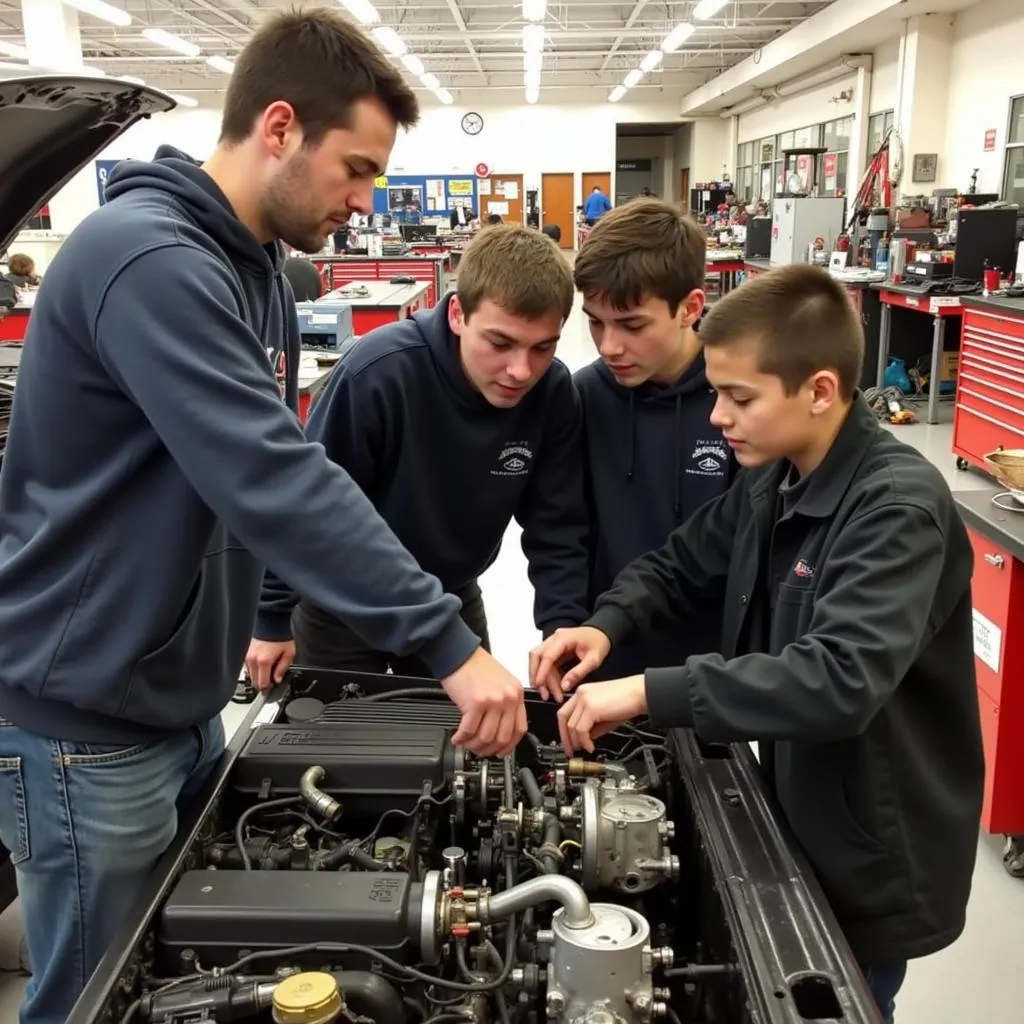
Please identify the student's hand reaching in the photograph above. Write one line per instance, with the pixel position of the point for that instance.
(589, 646)
(598, 708)
(267, 661)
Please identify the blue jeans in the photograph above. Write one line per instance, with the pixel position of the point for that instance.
(885, 981)
(85, 825)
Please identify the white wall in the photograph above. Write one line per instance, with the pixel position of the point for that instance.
(682, 154)
(985, 70)
(527, 140)
(885, 77)
(793, 112)
(712, 158)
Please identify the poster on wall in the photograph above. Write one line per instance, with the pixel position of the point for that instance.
(460, 188)
(103, 169)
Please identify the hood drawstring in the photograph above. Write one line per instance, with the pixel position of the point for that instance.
(632, 436)
(677, 464)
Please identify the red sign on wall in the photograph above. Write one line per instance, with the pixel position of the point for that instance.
(482, 170)
(829, 164)
(990, 140)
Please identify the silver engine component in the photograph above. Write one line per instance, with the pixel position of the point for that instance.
(624, 836)
(602, 973)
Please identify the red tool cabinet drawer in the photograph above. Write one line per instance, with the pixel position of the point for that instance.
(1003, 810)
(997, 577)
(996, 323)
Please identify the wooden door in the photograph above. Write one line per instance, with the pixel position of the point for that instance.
(684, 187)
(556, 195)
(596, 179)
(505, 188)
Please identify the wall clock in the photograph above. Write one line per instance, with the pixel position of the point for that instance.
(472, 123)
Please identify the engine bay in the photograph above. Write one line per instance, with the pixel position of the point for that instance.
(349, 864)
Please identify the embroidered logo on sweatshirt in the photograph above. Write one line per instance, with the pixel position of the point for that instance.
(804, 570)
(709, 458)
(515, 460)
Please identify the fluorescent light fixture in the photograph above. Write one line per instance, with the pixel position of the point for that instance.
(431, 81)
(184, 101)
(13, 50)
(535, 10)
(221, 64)
(678, 36)
(390, 40)
(533, 60)
(617, 93)
(532, 93)
(132, 79)
(651, 61)
(708, 9)
(632, 78)
(533, 38)
(362, 10)
(413, 64)
(444, 96)
(170, 42)
(531, 78)
(101, 10)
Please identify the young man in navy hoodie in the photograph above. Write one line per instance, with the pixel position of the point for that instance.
(653, 457)
(153, 471)
(847, 637)
(453, 423)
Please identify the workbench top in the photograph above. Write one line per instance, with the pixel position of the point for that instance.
(1003, 528)
(383, 294)
(10, 357)
(995, 304)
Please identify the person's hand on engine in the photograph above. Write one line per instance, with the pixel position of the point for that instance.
(587, 645)
(267, 661)
(491, 701)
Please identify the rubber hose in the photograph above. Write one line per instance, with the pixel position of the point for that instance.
(531, 787)
(370, 995)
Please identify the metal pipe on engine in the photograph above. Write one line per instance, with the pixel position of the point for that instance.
(309, 790)
(556, 888)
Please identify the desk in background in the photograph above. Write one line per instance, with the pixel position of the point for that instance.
(386, 303)
(727, 263)
(940, 308)
(997, 592)
(990, 382)
(427, 267)
(311, 383)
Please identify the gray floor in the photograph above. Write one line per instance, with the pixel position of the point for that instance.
(979, 979)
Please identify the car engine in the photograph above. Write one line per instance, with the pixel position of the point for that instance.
(363, 869)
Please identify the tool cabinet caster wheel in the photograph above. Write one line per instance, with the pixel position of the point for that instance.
(962, 464)
(1013, 856)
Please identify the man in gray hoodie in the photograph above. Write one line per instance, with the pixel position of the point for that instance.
(153, 471)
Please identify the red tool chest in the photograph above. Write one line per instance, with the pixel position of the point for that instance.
(990, 383)
(998, 598)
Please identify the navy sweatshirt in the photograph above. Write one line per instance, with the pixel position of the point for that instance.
(153, 470)
(653, 459)
(448, 470)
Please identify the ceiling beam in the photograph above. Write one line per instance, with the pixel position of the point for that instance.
(460, 21)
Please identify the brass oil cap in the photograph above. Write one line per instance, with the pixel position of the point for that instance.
(308, 998)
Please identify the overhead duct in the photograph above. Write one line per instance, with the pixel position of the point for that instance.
(849, 64)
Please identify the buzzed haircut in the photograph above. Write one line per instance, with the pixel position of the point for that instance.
(646, 248)
(802, 321)
(322, 65)
(519, 269)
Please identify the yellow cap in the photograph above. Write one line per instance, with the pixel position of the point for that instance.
(308, 998)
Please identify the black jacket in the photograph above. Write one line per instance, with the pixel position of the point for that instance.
(653, 459)
(448, 471)
(847, 651)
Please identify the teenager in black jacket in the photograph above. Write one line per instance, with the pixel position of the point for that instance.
(843, 574)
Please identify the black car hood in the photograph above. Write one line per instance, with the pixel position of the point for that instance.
(51, 126)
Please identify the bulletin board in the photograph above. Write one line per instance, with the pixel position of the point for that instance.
(410, 198)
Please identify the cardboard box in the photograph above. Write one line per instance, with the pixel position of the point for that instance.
(950, 365)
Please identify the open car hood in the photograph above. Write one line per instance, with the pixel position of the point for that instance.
(51, 126)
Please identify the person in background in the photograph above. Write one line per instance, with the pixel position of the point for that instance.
(847, 632)
(454, 422)
(461, 217)
(596, 205)
(302, 275)
(653, 457)
(152, 472)
(21, 271)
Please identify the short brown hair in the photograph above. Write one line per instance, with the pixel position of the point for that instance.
(319, 63)
(643, 249)
(21, 265)
(802, 320)
(519, 269)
